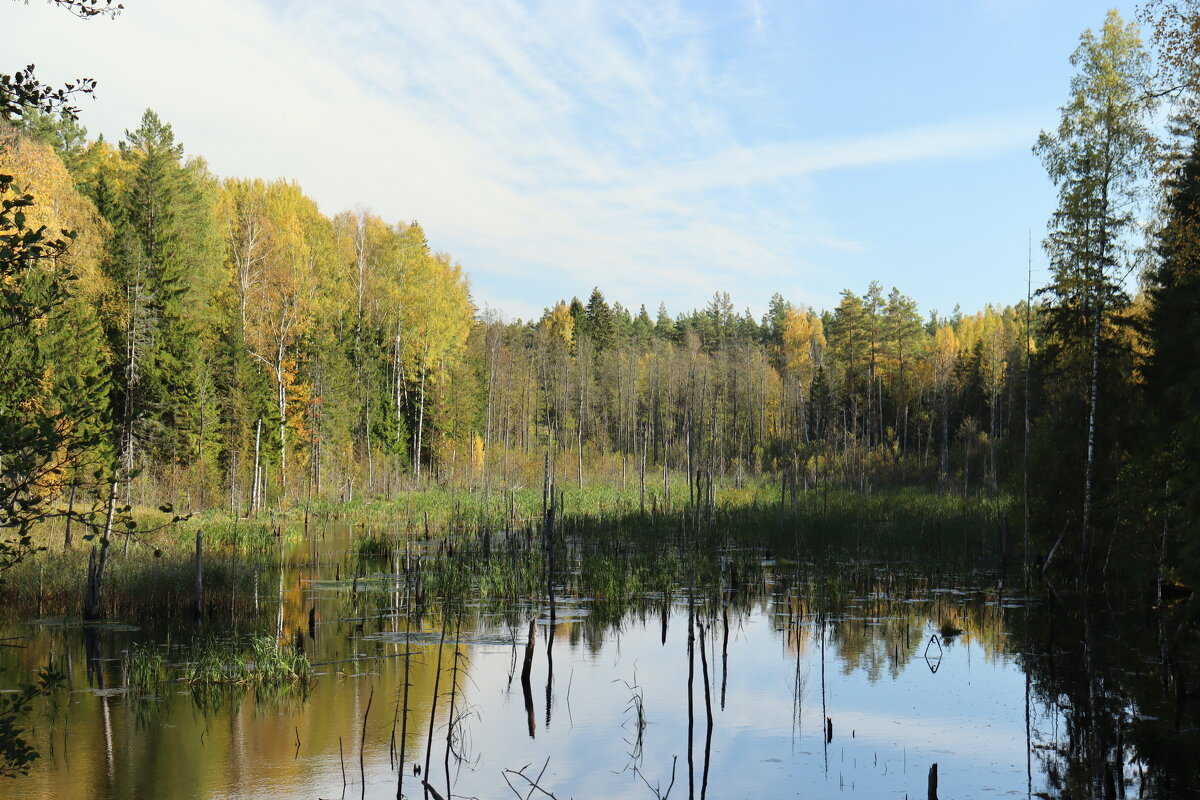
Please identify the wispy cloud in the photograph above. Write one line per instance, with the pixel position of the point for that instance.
(755, 10)
(551, 146)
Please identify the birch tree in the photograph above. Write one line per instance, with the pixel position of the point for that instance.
(1096, 157)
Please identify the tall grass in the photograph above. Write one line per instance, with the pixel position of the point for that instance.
(145, 667)
(138, 586)
(608, 545)
(268, 663)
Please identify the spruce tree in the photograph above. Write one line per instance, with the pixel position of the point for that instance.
(664, 326)
(600, 325)
(1173, 368)
(165, 256)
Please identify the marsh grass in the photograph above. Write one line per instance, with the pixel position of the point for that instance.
(138, 586)
(266, 663)
(145, 668)
(490, 546)
(246, 537)
(614, 553)
(373, 544)
(500, 508)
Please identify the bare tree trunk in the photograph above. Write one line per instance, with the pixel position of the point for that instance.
(97, 563)
(1089, 472)
(370, 451)
(945, 465)
(70, 514)
(420, 425)
(256, 487)
(642, 476)
(281, 399)
(579, 427)
(1025, 451)
(200, 453)
(233, 464)
(1090, 466)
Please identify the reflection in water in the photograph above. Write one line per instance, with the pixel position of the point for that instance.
(1043, 696)
(1117, 720)
(708, 716)
(526, 689)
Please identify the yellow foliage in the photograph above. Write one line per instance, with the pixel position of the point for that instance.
(280, 300)
(436, 312)
(58, 206)
(477, 453)
(1139, 311)
(299, 394)
(944, 356)
(559, 322)
(803, 343)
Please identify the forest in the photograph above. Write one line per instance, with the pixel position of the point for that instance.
(225, 350)
(243, 350)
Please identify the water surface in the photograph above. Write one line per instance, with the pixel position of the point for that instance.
(846, 680)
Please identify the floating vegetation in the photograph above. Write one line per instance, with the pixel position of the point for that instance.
(268, 663)
(145, 668)
(372, 545)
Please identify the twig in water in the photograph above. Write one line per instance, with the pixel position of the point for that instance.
(708, 711)
(362, 744)
(570, 680)
(637, 710)
(437, 677)
(533, 783)
(429, 788)
(342, 759)
(661, 795)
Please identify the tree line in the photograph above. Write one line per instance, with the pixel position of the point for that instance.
(252, 350)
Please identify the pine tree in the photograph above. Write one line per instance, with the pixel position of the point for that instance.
(848, 334)
(902, 332)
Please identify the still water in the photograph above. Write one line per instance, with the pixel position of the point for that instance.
(811, 693)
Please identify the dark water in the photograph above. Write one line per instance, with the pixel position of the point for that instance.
(821, 680)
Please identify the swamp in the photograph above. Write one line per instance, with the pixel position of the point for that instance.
(728, 650)
(295, 502)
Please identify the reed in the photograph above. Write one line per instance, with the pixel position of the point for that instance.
(267, 663)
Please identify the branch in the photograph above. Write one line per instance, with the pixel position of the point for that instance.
(533, 783)
(86, 9)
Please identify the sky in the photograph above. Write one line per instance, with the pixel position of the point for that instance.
(660, 150)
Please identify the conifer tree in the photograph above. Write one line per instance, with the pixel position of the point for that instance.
(664, 325)
(599, 323)
(165, 259)
(1173, 368)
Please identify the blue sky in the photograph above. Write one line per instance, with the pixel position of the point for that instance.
(660, 150)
